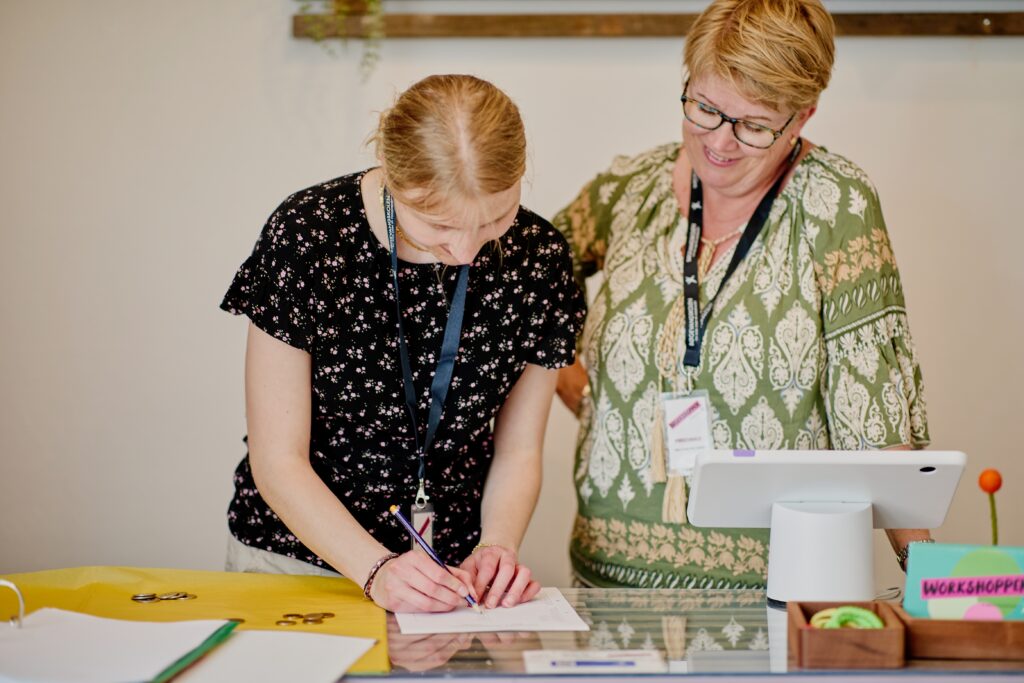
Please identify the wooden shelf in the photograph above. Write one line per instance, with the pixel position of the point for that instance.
(357, 25)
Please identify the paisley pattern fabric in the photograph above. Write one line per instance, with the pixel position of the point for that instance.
(808, 348)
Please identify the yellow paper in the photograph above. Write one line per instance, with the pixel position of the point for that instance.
(259, 599)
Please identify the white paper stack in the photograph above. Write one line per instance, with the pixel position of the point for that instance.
(57, 646)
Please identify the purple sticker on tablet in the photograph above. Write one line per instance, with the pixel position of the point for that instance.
(743, 454)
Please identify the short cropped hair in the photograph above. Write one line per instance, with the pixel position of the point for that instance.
(778, 53)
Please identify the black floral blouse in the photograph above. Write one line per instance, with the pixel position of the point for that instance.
(319, 280)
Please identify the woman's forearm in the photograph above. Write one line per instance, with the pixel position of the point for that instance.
(513, 484)
(315, 516)
(278, 406)
(510, 496)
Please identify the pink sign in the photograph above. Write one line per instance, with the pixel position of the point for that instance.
(972, 586)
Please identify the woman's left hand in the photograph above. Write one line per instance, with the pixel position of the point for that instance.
(499, 578)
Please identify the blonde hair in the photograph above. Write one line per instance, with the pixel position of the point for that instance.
(451, 137)
(778, 53)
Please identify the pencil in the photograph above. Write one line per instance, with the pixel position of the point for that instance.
(430, 551)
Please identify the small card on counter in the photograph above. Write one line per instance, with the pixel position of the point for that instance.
(967, 582)
(594, 662)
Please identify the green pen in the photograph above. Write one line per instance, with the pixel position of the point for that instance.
(190, 657)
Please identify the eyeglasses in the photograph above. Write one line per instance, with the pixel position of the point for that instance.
(749, 133)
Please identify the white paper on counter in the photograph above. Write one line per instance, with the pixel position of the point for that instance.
(55, 645)
(273, 656)
(549, 611)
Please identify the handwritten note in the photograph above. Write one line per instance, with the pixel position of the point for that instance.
(549, 611)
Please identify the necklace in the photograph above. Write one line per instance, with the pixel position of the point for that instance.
(405, 238)
(709, 247)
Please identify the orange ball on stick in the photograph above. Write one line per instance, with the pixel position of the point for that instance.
(991, 481)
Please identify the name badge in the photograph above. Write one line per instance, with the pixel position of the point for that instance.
(422, 520)
(687, 421)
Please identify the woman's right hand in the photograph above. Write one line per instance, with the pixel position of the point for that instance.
(412, 582)
(572, 383)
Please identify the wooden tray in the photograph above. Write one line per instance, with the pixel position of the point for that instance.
(954, 639)
(844, 648)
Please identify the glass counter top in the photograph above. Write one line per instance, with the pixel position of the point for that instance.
(711, 632)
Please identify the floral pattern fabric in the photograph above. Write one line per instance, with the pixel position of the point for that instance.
(319, 280)
(808, 348)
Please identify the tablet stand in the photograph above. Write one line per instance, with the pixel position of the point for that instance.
(821, 552)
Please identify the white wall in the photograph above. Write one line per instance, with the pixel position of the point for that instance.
(142, 144)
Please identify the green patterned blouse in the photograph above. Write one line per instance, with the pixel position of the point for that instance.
(808, 348)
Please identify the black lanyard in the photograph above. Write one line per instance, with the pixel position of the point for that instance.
(445, 365)
(696, 320)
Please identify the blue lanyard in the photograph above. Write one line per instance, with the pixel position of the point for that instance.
(445, 365)
(697, 320)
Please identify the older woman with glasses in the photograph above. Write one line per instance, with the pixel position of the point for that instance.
(749, 280)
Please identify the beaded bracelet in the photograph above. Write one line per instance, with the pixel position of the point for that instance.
(373, 573)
